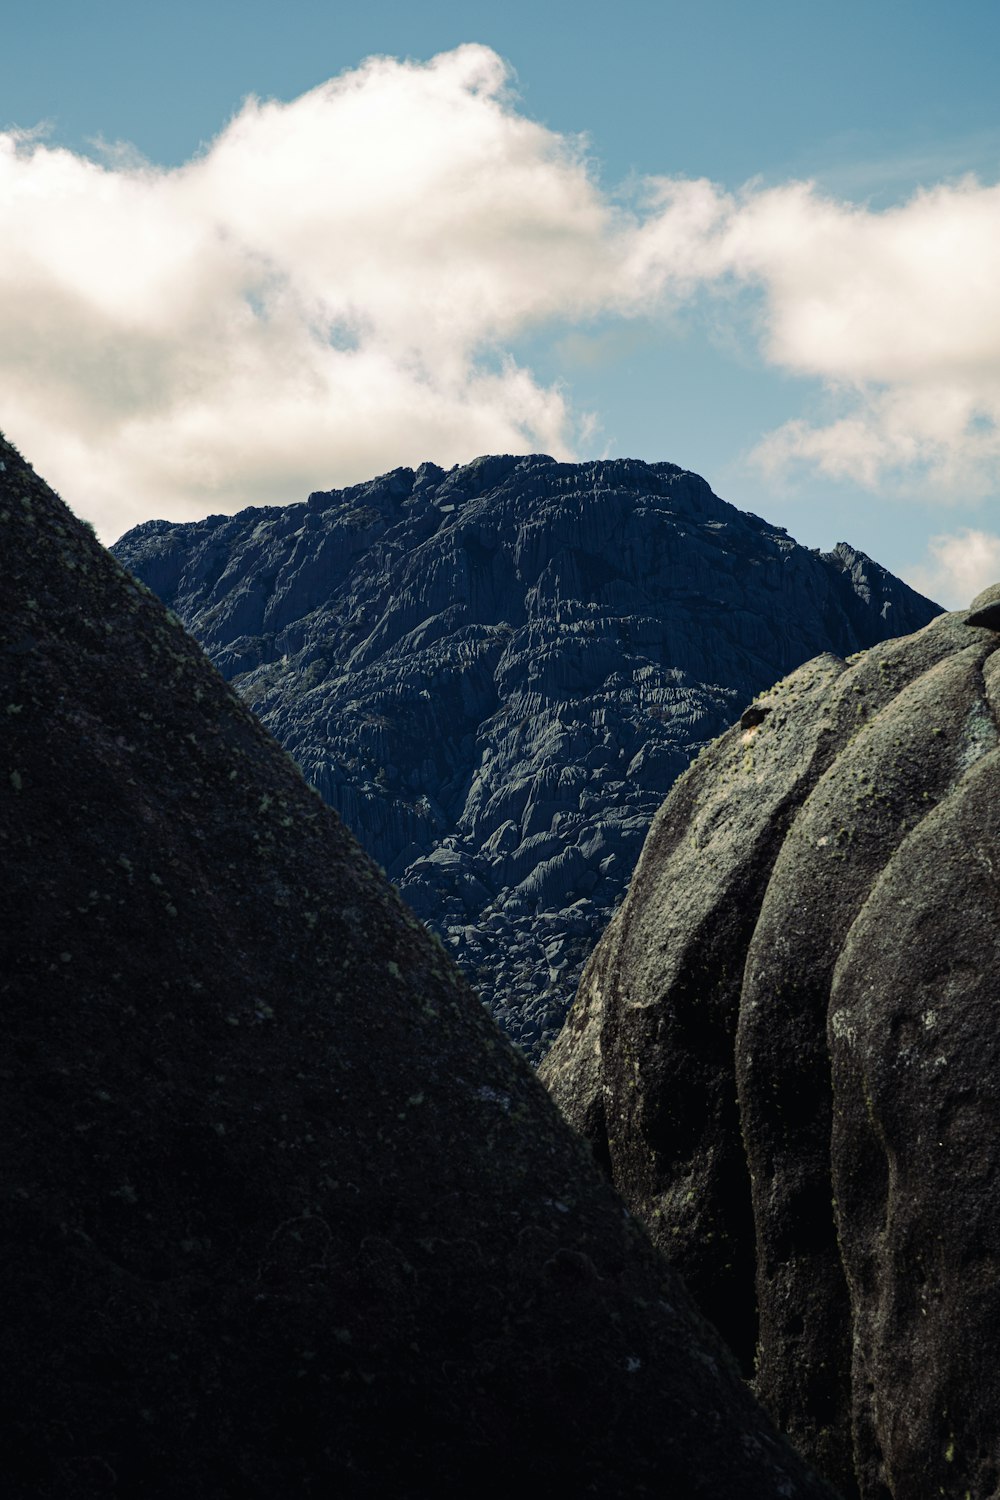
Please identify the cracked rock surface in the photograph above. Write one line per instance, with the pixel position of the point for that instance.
(785, 1053)
(495, 674)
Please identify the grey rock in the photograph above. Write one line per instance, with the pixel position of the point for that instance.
(515, 645)
(784, 1054)
(985, 608)
(283, 1213)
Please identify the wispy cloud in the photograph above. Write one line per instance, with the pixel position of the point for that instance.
(960, 566)
(335, 285)
(899, 313)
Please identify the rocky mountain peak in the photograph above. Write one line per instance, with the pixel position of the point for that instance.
(495, 673)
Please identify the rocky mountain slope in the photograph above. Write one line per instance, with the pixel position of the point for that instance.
(495, 674)
(282, 1211)
(785, 1052)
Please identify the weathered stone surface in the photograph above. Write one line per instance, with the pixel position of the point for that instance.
(915, 1049)
(644, 1064)
(818, 898)
(282, 1212)
(495, 674)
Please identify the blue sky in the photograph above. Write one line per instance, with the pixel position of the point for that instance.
(199, 313)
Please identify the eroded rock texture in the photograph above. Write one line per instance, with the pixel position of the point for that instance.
(495, 674)
(786, 1052)
(281, 1211)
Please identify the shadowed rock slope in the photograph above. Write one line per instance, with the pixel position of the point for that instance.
(283, 1213)
(495, 674)
(786, 1053)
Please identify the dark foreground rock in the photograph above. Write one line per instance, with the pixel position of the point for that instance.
(786, 1053)
(283, 1214)
(495, 674)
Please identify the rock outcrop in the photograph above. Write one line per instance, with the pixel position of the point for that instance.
(495, 674)
(283, 1213)
(785, 1052)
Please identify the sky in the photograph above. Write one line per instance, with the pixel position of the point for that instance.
(249, 251)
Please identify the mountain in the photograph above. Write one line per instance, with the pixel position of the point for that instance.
(283, 1213)
(495, 674)
(785, 1052)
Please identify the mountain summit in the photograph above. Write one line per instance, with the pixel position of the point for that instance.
(496, 673)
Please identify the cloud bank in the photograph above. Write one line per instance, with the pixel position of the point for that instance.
(335, 285)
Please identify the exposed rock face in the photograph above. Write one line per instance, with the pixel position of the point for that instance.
(283, 1213)
(495, 674)
(786, 1053)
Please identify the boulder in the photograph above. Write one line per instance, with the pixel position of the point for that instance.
(283, 1213)
(785, 1055)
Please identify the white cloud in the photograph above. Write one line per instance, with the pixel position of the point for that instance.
(334, 285)
(960, 566)
(898, 312)
(324, 293)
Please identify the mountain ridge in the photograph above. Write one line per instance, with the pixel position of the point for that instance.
(496, 672)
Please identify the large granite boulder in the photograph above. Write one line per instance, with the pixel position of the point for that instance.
(786, 1054)
(283, 1213)
(495, 674)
